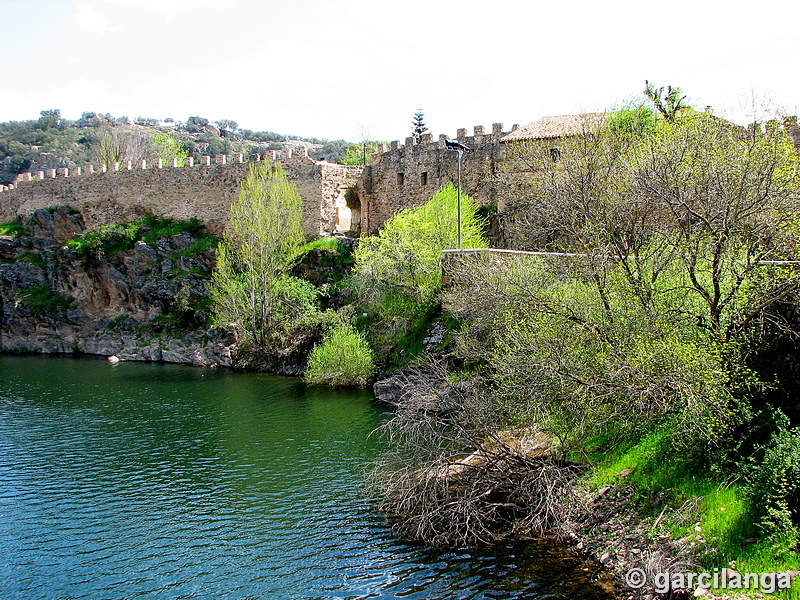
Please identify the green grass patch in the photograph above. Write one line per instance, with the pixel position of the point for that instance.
(42, 300)
(203, 244)
(113, 324)
(339, 254)
(409, 348)
(690, 493)
(71, 210)
(178, 273)
(108, 240)
(33, 258)
(204, 304)
(160, 227)
(13, 228)
(111, 239)
(328, 243)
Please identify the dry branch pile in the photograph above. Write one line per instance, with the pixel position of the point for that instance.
(455, 475)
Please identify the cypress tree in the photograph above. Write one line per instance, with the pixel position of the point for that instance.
(418, 126)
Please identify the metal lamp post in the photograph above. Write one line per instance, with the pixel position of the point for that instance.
(460, 148)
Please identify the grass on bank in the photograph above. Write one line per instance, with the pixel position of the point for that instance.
(111, 239)
(689, 492)
(336, 253)
(42, 300)
(12, 228)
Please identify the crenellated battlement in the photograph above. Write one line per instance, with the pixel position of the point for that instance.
(401, 175)
(408, 174)
(478, 138)
(205, 189)
(290, 155)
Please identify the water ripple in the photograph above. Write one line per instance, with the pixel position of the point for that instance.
(160, 481)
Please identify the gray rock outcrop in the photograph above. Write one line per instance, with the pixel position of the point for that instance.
(147, 303)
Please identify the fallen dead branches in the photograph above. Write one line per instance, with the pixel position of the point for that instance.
(457, 475)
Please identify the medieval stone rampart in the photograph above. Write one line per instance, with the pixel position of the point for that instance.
(404, 175)
(121, 192)
(335, 197)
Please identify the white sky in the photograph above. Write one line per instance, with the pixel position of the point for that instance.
(355, 68)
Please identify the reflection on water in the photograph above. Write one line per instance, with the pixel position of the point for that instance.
(165, 481)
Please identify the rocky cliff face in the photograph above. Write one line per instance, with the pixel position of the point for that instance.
(148, 302)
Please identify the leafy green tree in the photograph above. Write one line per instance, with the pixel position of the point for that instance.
(253, 293)
(331, 151)
(50, 118)
(361, 154)
(397, 274)
(228, 126)
(167, 147)
(674, 220)
(112, 147)
(721, 200)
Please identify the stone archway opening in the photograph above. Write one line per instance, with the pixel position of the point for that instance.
(348, 211)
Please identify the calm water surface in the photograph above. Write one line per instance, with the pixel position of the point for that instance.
(166, 481)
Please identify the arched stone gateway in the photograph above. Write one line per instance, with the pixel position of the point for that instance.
(348, 211)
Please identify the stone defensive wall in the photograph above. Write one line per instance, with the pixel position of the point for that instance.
(335, 197)
(122, 192)
(404, 175)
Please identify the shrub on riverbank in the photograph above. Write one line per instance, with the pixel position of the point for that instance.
(343, 358)
(267, 309)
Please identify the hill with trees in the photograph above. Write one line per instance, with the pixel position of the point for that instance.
(52, 141)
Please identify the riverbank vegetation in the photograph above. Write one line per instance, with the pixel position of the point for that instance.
(271, 312)
(111, 239)
(649, 352)
(397, 276)
(655, 352)
(343, 358)
(394, 282)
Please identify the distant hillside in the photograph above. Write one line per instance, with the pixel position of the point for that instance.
(54, 142)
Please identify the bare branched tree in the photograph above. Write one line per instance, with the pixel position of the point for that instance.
(119, 145)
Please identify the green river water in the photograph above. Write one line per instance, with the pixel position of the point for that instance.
(165, 481)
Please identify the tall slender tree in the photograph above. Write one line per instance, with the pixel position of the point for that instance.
(252, 291)
(418, 126)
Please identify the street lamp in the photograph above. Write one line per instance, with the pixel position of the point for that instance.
(460, 148)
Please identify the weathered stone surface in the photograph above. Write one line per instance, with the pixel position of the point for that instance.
(334, 196)
(21, 274)
(434, 337)
(387, 391)
(9, 247)
(408, 175)
(57, 223)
